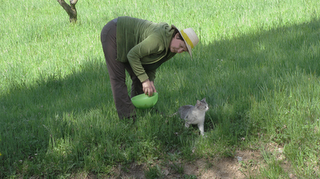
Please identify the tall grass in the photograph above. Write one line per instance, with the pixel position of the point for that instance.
(256, 64)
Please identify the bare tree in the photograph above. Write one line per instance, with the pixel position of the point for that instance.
(70, 9)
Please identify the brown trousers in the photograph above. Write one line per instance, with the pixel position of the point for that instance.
(117, 73)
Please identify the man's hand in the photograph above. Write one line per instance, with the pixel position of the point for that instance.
(148, 87)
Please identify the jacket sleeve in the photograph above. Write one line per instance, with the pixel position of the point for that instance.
(150, 45)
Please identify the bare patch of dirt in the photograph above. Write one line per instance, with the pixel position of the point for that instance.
(245, 164)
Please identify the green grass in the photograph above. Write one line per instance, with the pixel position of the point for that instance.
(256, 64)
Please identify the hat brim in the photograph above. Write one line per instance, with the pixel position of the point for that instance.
(188, 46)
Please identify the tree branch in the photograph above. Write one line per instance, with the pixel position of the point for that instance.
(70, 9)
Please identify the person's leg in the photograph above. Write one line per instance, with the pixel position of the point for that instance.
(136, 86)
(116, 71)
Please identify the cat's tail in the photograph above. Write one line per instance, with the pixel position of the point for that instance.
(173, 114)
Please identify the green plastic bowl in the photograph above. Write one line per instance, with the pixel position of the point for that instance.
(143, 101)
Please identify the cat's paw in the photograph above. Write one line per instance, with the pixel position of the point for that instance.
(204, 135)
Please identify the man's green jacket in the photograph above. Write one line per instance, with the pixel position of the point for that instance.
(144, 44)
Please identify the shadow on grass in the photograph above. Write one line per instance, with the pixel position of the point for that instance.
(30, 112)
(234, 73)
(228, 72)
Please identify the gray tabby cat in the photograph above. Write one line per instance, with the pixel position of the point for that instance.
(194, 114)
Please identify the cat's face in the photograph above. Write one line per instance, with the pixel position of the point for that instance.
(202, 105)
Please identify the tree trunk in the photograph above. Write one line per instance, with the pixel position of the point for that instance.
(70, 9)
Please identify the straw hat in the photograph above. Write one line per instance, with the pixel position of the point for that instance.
(190, 38)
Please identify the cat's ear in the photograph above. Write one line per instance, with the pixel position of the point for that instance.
(204, 99)
(198, 102)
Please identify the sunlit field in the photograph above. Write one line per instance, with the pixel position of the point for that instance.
(257, 65)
